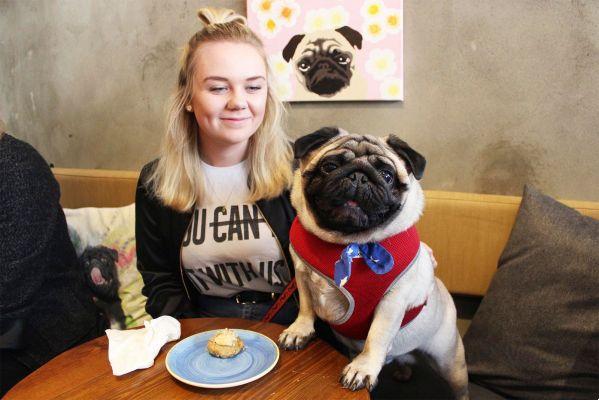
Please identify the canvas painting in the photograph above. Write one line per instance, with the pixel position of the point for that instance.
(332, 50)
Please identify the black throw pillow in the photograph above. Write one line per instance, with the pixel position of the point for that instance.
(536, 332)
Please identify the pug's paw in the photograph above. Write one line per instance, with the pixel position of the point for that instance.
(361, 372)
(297, 336)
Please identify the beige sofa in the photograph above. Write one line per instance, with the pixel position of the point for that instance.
(466, 231)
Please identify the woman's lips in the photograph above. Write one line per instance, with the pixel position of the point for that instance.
(235, 121)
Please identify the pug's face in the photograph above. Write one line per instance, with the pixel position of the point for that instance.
(99, 265)
(350, 184)
(324, 61)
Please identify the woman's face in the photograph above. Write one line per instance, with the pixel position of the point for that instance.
(229, 95)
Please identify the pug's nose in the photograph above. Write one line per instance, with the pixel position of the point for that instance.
(324, 66)
(358, 177)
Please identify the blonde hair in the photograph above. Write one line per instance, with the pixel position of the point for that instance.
(177, 177)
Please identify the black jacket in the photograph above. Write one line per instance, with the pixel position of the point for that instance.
(159, 232)
(45, 306)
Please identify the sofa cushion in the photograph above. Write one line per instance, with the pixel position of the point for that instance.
(536, 332)
(113, 228)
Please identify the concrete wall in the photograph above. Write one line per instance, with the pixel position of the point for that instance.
(497, 93)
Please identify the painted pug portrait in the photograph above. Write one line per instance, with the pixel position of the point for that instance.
(324, 61)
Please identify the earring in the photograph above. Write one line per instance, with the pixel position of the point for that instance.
(188, 108)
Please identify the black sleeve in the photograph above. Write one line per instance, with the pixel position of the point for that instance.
(29, 209)
(163, 286)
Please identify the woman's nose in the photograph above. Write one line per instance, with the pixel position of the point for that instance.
(237, 100)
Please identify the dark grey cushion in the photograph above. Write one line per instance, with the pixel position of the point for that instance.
(536, 333)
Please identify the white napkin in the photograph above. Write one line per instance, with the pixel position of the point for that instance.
(137, 348)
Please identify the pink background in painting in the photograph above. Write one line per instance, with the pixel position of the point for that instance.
(392, 41)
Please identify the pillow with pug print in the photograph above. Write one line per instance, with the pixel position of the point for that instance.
(113, 228)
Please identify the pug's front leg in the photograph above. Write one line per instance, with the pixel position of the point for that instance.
(364, 369)
(301, 331)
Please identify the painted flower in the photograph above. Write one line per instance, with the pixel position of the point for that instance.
(317, 20)
(392, 89)
(372, 9)
(338, 17)
(393, 20)
(281, 76)
(286, 11)
(283, 89)
(326, 18)
(381, 63)
(263, 7)
(278, 66)
(270, 26)
(373, 30)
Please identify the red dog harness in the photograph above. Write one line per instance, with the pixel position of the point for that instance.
(365, 288)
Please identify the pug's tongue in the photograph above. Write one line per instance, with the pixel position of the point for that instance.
(97, 277)
(351, 203)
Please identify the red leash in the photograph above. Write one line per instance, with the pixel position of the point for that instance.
(287, 292)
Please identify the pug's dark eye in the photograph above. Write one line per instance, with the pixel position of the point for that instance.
(386, 175)
(303, 65)
(343, 60)
(328, 167)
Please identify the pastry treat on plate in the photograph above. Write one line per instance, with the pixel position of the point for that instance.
(225, 344)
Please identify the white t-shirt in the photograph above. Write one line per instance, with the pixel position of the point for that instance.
(228, 246)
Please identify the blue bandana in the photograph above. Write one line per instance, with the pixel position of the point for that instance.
(378, 259)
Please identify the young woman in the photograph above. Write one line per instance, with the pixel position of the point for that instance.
(213, 213)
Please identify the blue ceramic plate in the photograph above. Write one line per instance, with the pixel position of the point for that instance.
(190, 362)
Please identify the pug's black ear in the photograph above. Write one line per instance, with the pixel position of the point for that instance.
(305, 144)
(353, 36)
(113, 254)
(291, 46)
(415, 161)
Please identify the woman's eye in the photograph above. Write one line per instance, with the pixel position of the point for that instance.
(253, 89)
(386, 175)
(218, 89)
(329, 167)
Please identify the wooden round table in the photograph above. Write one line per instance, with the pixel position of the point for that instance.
(85, 373)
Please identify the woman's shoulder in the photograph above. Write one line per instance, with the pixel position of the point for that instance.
(145, 192)
(19, 153)
(147, 169)
(21, 162)
(146, 176)
(30, 198)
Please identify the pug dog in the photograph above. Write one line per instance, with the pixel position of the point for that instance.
(360, 265)
(325, 63)
(101, 276)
